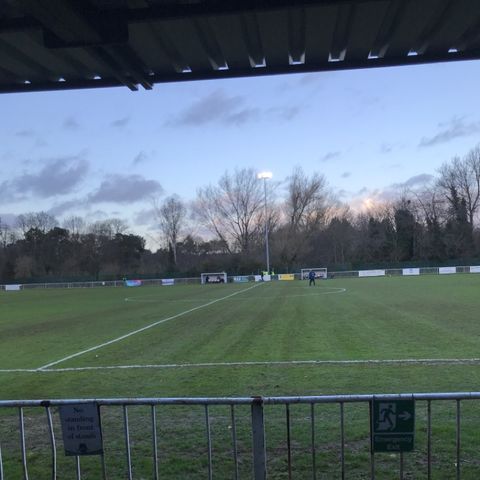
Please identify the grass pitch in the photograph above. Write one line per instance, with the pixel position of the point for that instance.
(231, 326)
(374, 335)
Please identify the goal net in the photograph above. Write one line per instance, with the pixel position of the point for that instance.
(215, 277)
(319, 273)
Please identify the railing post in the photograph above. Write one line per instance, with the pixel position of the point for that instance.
(258, 439)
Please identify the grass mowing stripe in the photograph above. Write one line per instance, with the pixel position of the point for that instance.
(123, 337)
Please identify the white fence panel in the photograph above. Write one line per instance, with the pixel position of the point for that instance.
(371, 273)
(411, 271)
(447, 270)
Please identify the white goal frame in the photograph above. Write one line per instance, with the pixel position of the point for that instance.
(319, 273)
(213, 277)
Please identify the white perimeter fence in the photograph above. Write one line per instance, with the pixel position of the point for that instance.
(323, 430)
(255, 278)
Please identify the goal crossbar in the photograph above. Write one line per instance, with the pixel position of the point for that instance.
(213, 277)
(320, 272)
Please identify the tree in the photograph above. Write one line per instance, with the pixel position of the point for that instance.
(41, 221)
(405, 227)
(339, 234)
(6, 234)
(307, 200)
(75, 225)
(463, 177)
(171, 216)
(232, 210)
(458, 229)
(305, 211)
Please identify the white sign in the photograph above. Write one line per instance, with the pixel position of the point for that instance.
(371, 273)
(81, 430)
(266, 278)
(475, 269)
(411, 271)
(447, 270)
(168, 281)
(12, 288)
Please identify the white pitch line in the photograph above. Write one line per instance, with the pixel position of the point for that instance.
(13, 370)
(404, 361)
(123, 337)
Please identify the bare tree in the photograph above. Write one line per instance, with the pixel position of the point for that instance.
(307, 200)
(171, 216)
(305, 210)
(430, 205)
(42, 221)
(118, 226)
(108, 228)
(75, 225)
(232, 210)
(6, 234)
(462, 175)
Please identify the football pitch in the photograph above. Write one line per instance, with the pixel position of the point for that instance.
(376, 335)
(343, 336)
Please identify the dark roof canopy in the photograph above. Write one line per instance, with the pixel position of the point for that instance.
(62, 44)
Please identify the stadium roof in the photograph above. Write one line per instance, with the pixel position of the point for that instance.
(64, 44)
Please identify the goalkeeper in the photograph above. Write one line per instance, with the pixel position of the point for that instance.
(311, 278)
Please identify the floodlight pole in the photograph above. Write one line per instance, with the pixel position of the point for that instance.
(264, 176)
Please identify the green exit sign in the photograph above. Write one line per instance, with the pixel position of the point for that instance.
(393, 425)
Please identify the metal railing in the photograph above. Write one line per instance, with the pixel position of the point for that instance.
(257, 452)
(231, 278)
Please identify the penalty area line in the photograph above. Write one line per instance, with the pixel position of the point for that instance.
(401, 361)
(147, 327)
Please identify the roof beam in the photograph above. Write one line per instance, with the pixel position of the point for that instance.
(444, 15)
(172, 10)
(221, 7)
(392, 21)
(63, 19)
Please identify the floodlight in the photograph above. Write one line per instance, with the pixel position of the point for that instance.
(265, 175)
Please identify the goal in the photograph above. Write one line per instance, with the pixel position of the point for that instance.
(214, 277)
(319, 273)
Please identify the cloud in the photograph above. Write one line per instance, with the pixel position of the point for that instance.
(366, 199)
(415, 181)
(285, 113)
(71, 124)
(60, 208)
(220, 108)
(144, 217)
(243, 116)
(141, 157)
(329, 156)
(57, 177)
(120, 122)
(125, 189)
(455, 128)
(346, 174)
(216, 107)
(25, 133)
(387, 147)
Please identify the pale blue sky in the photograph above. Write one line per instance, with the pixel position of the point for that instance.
(103, 153)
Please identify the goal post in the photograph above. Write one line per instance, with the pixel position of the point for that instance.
(319, 273)
(213, 277)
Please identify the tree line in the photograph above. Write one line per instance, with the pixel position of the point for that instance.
(307, 227)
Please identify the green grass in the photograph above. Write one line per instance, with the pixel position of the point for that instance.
(374, 319)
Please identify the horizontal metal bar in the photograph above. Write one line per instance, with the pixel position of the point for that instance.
(244, 400)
